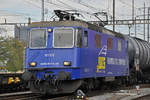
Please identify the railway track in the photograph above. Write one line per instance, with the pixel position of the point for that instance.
(121, 93)
(60, 98)
(32, 96)
(20, 96)
(146, 97)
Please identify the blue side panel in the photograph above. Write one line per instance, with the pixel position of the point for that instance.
(101, 62)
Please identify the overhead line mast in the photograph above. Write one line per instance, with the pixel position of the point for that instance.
(132, 9)
(144, 20)
(148, 25)
(42, 10)
(113, 15)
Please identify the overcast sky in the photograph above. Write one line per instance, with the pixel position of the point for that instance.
(23, 9)
(20, 10)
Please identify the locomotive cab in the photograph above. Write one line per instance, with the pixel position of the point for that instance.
(54, 47)
(54, 54)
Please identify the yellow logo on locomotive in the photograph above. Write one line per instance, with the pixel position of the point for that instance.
(101, 63)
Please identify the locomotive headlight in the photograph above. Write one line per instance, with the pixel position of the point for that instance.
(67, 63)
(32, 64)
(49, 30)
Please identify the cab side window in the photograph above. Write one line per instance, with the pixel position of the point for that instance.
(85, 39)
(119, 45)
(109, 43)
(79, 38)
(98, 41)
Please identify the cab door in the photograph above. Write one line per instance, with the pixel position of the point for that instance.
(85, 56)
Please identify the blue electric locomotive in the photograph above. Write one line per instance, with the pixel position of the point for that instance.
(64, 55)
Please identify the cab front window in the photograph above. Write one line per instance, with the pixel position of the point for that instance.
(63, 38)
(38, 38)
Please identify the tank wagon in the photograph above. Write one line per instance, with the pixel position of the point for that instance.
(66, 55)
(139, 53)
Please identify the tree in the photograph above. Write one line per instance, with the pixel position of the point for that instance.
(12, 53)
